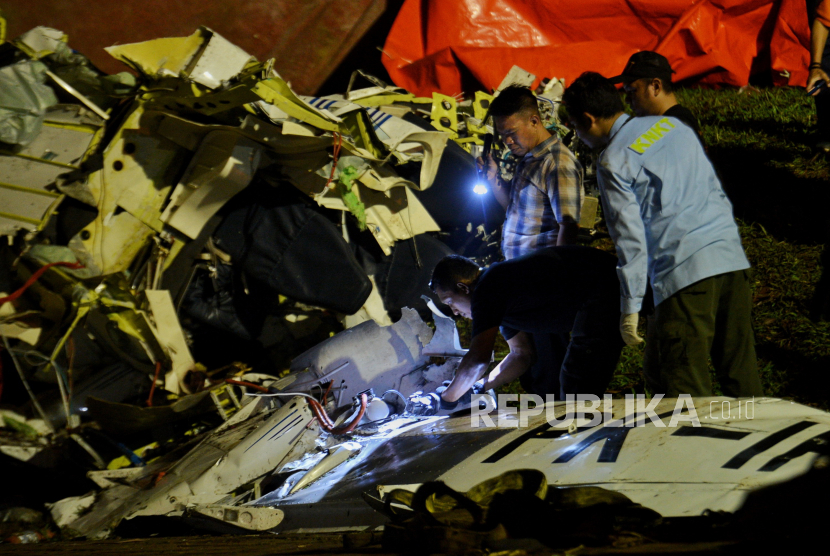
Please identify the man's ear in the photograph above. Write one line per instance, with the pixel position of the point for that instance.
(463, 288)
(589, 120)
(657, 85)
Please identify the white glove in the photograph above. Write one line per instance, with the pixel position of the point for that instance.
(628, 329)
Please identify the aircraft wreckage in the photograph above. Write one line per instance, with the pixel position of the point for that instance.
(178, 217)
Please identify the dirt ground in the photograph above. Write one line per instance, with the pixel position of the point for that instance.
(249, 545)
(267, 545)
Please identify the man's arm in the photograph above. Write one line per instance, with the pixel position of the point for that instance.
(622, 214)
(521, 357)
(818, 38)
(501, 190)
(473, 365)
(565, 192)
(568, 233)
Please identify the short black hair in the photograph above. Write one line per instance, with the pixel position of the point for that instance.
(513, 100)
(594, 94)
(452, 270)
(668, 86)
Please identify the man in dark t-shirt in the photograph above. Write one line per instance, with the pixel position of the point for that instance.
(554, 290)
(649, 89)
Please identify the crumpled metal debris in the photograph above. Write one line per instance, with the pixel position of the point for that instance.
(24, 99)
(163, 227)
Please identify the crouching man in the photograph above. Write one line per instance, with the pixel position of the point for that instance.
(554, 290)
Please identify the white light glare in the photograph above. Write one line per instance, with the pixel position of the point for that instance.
(480, 188)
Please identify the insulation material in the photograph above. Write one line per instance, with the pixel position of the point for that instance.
(448, 46)
(24, 98)
(40, 41)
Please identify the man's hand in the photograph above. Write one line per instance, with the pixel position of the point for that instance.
(815, 75)
(568, 233)
(424, 405)
(472, 366)
(628, 329)
(489, 169)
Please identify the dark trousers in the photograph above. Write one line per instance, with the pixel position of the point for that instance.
(710, 318)
(823, 100)
(582, 361)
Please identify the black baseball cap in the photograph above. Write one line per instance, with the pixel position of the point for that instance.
(644, 64)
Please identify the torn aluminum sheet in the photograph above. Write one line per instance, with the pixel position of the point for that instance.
(27, 199)
(68, 510)
(170, 332)
(129, 192)
(517, 76)
(258, 441)
(392, 213)
(222, 167)
(229, 457)
(445, 342)
(24, 98)
(406, 140)
(159, 177)
(12, 326)
(205, 57)
(373, 310)
(368, 356)
(336, 456)
(253, 519)
(40, 41)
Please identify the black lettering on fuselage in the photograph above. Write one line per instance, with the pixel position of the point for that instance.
(614, 434)
(765, 444)
(817, 444)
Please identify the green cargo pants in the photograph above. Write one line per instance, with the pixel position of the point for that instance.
(710, 318)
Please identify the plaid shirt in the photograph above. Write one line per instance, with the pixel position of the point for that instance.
(546, 190)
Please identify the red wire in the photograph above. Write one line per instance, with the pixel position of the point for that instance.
(338, 141)
(247, 384)
(348, 428)
(319, 411)
(325, 396)
(35, 277)
(325, 421)
(153, 387)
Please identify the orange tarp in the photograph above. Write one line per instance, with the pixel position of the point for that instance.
(459, 46)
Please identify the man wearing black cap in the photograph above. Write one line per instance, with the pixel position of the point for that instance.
(672, 224)
(647, 83)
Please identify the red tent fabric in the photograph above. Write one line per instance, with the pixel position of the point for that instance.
(459, 46)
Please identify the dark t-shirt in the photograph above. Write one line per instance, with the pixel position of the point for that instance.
(684, 115)
(543, 291)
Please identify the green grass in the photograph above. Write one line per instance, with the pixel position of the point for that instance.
(761, 143)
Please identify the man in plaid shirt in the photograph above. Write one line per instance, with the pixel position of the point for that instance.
(542, 204)
(545, 196)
